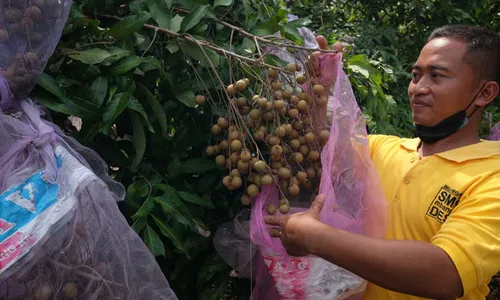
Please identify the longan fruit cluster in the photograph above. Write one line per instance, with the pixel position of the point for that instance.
(272, 137)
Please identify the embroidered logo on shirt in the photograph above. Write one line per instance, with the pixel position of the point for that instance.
(444, 203)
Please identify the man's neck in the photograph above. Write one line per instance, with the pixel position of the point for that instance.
(464, 137)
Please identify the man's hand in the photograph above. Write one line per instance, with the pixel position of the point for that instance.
(314, 66)
(295, 230)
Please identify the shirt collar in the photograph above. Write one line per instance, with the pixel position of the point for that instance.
(483, 149)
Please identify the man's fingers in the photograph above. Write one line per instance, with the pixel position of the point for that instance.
(318, 203)
(272, 220)
(274, 232)
(323, 43)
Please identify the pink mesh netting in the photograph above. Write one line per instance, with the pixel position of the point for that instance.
(62, 235)
(354, 202)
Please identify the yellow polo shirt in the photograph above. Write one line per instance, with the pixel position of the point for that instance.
(450, 199)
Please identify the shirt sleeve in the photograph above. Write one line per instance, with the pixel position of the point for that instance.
(471, 234)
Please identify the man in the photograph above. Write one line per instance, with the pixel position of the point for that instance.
(443, 188)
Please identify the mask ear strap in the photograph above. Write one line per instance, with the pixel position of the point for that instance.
(474, 99)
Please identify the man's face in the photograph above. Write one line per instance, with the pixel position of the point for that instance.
(442, 84)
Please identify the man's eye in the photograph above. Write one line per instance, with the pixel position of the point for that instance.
(414, 75)
(436, 75)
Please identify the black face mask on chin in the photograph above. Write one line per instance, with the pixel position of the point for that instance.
(447, 127)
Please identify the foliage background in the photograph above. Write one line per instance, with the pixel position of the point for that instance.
(134, 87)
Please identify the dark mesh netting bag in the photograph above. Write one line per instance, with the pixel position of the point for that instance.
(62, 235)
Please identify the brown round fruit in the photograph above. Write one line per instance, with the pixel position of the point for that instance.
(318, 89)
(241, 85)
(224, 145)
(272, 73)
(34, 13)
(323, 101)
(284, 173)
(216, 129)
(277, 85)
(278, 95)
(310, 172)
(235, 173)
(293, 113)
(284, 209)
(210, 150)
(241, 101)
(220, 160)
(306, 121)
(281, 131)
(324, 135)
(301, 176)
(43, 293)
(310, 137)
(276, 165)
(243, 166)
(253, 190)
(274, 140)
(268, 116)
(302, 105)
(259, 166)
(301, 79)
(304, 149)
(236, 145)
(246, 200)
(295, 144)
(234, 157)
(291, 67)
(223, 123)
(236, 183)
(200, 99)
(255, 114)
(266, 179)
(293, 189)
(259, 135)
(234, 135)
(245, 156)
(70, 290)
(298, 157)
(279, 105)
(231, 90)
(277, 150)
(297, 125)
(271, 209)
(313, 155)
(294, 99)
(226, 181)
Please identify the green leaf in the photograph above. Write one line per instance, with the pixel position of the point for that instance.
(145, 209)
(300, 23)
(169, 233)
(134, 105)
(140, 188)
(153, 242)
(195, 199)
(129, 25)
(125, 65)
(138, 139)
(174, 167)
(156, 106)
(117, 105)
(290, 32)
(222, 3)
(82, 107)
(195, 52)
(53, 105)
(139, 224)
(50, 85)
(267, 28)
(188, 98)
(193, 18)
(161, 12)
(99, 90)
(91, 56)
(175, 23)
(198, 165)
(173, 206)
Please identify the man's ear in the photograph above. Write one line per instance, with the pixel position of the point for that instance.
(488, 94)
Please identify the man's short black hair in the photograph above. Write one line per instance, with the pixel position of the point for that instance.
(483, 44)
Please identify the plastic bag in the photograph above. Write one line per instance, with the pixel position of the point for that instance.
(354, 202)
(495, 133)
(62, 235)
